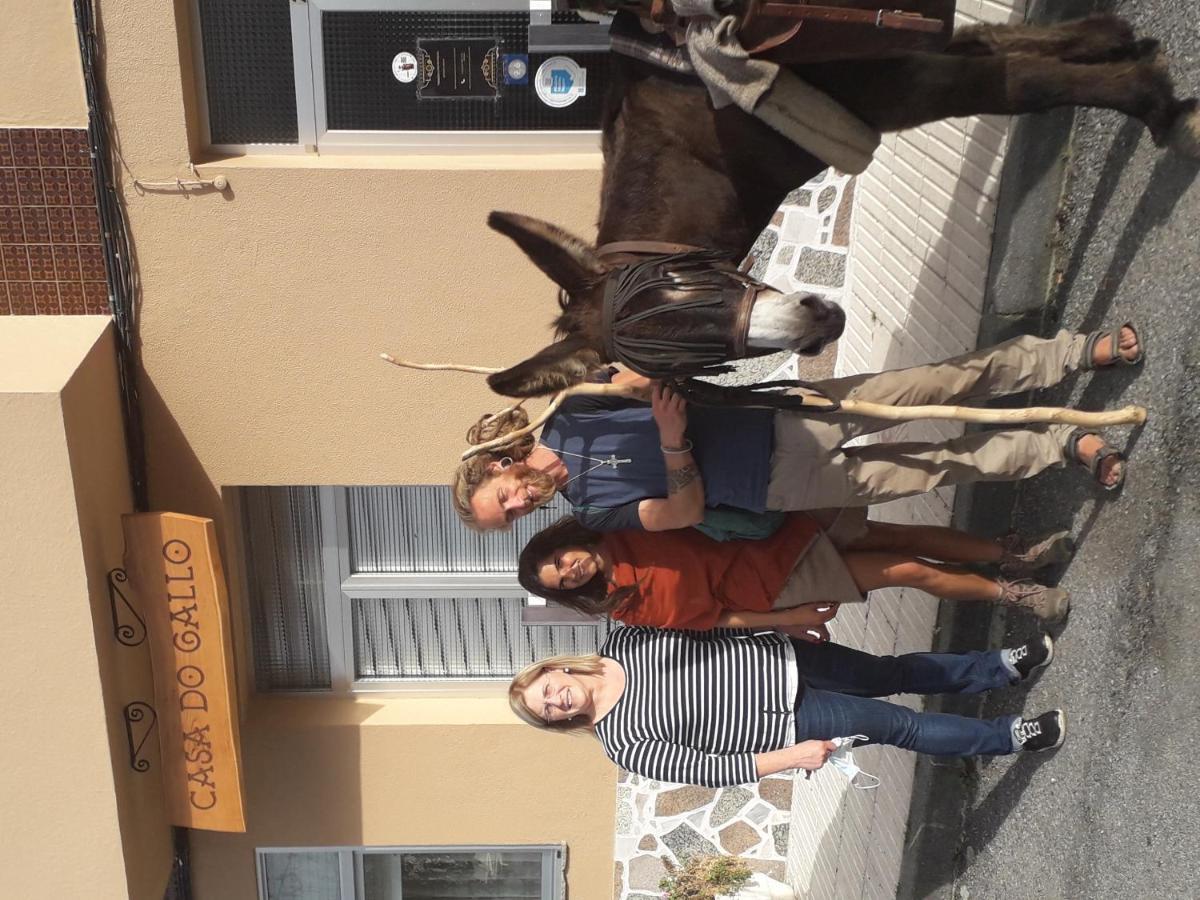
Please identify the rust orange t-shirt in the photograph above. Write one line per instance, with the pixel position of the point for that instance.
(687, 580)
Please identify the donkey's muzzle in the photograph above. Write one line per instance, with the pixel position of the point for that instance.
(826, 322)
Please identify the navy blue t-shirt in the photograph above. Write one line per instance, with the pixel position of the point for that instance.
(732, 448)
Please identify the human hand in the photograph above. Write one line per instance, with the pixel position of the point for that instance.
(814, 634)
(670, 414)
(808, 614)
(811, 755)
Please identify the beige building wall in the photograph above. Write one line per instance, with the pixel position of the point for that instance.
(263, 311)
(348, 776)
(41, 79)
(66, 788)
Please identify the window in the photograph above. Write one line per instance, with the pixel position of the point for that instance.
(411, 873)
(382, 588)
(371, 74)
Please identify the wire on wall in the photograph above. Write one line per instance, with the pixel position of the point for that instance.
(121, 272)
(123, 299)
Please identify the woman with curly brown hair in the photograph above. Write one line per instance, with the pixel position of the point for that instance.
(792, 581)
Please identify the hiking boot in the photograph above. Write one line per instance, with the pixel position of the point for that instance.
(1050, 604)
(1021, 560)
(1032, 656)
(1046, 732)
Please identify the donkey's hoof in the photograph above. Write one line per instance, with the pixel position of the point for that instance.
(1185, 133)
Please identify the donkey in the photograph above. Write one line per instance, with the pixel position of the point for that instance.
(678, 171)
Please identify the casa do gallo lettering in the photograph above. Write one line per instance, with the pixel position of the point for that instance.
(193, 703)
(174, 565)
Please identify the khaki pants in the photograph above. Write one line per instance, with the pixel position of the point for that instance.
(809, 469)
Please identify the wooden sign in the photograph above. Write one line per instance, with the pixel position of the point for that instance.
(174, 565)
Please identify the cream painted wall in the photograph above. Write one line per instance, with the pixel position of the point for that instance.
(263, 313)
(308, 786)
(41, 81)
(66, 790)
(99, 473)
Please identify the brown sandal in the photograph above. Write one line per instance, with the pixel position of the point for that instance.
(1098, 458)
(1116, 358)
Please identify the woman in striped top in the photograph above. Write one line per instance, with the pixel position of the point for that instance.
(729, 707)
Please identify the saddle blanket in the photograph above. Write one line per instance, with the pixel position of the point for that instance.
(808, 117)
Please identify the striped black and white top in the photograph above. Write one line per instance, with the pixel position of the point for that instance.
(697, 706)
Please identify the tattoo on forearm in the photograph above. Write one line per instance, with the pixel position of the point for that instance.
(678, 479)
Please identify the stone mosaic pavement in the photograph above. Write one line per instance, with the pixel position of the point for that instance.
(804, 248)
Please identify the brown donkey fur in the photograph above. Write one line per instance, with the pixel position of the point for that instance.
(678, 171)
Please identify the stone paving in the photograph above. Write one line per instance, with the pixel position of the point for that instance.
(657, 822)
(805, 248)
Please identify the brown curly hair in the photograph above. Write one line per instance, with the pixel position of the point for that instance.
(473, 472)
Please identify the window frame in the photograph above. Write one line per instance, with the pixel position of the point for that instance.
(342, 586)
(314, 136)
(350, 868)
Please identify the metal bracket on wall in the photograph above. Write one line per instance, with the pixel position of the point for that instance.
(578, 37)
(135, 714)
(127, 632)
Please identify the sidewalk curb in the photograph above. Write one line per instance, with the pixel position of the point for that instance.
(1017, 301)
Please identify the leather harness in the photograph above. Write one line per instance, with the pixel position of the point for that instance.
(853, 29)
(642, 266)
(889, 19)
(646, 266)
(894, 20)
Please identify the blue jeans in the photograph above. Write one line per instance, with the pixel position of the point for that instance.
(839, 682)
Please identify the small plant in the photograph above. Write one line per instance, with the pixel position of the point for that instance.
(705, 877)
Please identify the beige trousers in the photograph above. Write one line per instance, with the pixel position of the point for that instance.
(810, 469)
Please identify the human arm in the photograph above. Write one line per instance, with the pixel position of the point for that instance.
(804, 616)
(632, 379)
(684, 504)
(680, 764)
(809, 755)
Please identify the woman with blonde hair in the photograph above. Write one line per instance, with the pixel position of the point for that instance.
(722, 708)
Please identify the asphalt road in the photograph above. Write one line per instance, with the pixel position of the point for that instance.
(1116, 812)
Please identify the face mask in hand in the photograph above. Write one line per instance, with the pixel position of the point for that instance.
(842, 759)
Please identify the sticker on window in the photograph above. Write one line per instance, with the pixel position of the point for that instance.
(404, 67)
(560, 81)
(516, 68)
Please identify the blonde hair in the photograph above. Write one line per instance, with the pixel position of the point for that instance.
(584, 665)
(472, 473)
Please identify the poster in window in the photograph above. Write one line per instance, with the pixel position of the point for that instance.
(458, 69)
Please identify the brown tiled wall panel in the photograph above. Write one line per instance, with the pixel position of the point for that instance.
(51, 261)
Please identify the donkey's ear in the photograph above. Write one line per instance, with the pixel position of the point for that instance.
(550, 370)
(570, 262)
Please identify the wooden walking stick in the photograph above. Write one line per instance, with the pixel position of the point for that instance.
(1129, 415)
